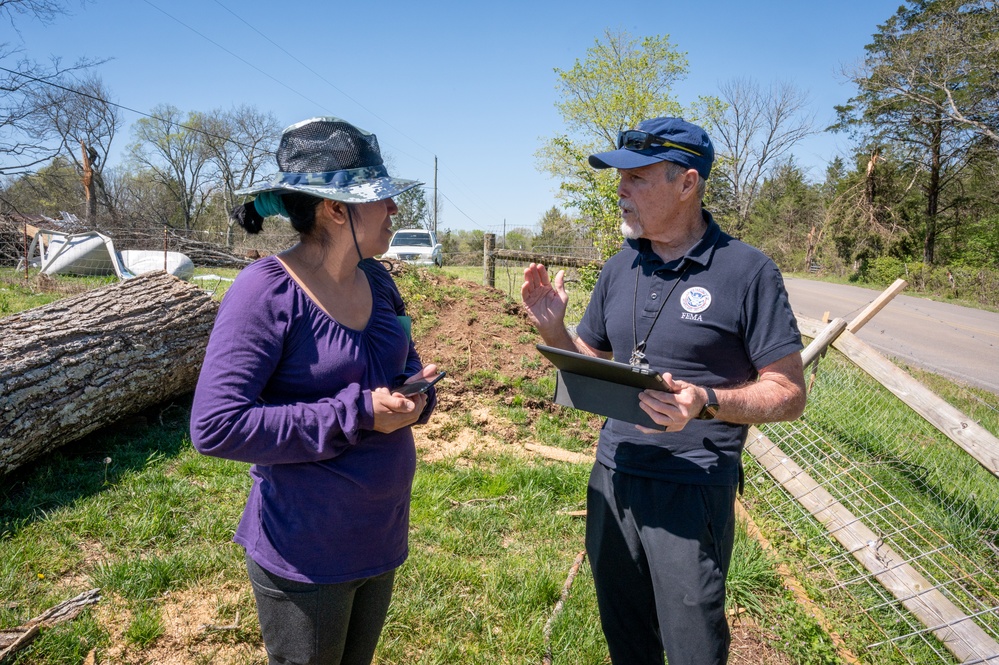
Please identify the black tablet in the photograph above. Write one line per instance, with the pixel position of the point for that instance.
(605, 387)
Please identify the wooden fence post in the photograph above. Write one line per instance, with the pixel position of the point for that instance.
(489, 260)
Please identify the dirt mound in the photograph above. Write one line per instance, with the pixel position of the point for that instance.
(478, 334)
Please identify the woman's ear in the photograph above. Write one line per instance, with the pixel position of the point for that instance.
(335, 210)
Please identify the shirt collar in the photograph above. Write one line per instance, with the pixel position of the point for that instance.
(700, 253)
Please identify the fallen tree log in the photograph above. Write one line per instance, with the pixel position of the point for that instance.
(84, 362)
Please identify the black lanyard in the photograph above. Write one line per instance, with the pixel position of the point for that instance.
(638, 355)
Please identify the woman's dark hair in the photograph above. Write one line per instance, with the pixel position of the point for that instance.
(301, 209)
(246, 216)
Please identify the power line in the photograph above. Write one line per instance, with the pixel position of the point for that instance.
(178, 124)
(462, 211)
(319, 76)
(273, 78)
(255, 68)
(312, 71)
(243, 60)
(129, 109)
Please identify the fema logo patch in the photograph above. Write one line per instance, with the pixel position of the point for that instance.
(696, 299)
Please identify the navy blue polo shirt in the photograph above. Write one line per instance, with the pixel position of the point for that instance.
(725, 314)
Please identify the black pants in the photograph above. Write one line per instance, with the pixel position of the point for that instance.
(660, 552)
(320, 624)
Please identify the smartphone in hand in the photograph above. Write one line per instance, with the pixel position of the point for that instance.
(418, 387)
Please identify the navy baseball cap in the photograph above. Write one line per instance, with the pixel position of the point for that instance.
(660, 140)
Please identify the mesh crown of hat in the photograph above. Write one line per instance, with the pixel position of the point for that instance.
(326, 145)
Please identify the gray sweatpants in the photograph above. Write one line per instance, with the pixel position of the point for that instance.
(660, 552)
(320, 624)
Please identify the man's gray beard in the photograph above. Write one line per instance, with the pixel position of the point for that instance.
(631, 232)
(627, 230)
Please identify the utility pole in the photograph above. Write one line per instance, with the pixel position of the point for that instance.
(435, 195)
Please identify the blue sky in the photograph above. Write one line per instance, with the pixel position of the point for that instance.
(472, 83)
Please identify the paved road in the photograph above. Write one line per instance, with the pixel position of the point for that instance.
(958, 342)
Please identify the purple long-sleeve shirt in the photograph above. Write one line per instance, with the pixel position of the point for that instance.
(288, 389)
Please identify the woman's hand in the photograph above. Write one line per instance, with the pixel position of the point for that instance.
(393, 411)
(427, 373)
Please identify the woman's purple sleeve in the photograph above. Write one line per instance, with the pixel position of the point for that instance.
(229, 419)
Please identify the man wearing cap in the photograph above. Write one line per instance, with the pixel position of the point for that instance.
(709, 313)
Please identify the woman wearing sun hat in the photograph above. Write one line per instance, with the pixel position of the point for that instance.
(297, 380)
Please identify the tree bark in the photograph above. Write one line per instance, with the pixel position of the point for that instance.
(81, 363)
(13, 640)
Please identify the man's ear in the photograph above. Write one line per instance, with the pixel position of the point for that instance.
(691, 180)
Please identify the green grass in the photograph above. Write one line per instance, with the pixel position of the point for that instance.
(18, 294)
(491, 545)
(217, 287)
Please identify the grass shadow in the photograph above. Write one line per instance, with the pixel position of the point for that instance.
(93, 464)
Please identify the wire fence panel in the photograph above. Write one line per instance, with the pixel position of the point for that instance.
(924, 498)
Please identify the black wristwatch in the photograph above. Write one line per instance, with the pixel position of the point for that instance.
(711, 408)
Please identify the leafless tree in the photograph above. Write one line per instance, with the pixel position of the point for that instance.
(20, 78)
(83, 121)
(240, 143)
(170, 149)
(41, 10)
(755, 134)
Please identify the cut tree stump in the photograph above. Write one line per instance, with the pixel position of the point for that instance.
(84, 362)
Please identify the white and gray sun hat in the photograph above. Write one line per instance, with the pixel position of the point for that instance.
(332, 159)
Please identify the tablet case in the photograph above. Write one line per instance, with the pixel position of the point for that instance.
(605, 387)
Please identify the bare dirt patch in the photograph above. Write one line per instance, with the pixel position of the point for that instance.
(752, 646)
(195, 629)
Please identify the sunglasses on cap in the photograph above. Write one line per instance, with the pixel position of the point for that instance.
(634, 139)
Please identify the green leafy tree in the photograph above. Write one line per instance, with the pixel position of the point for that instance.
(871, 209)
(519, 238)
(910, 89)
(943, 56)
(785, 215)
(621, 81)
(413, 211)
(462, 247)
(558, 233)
(52, 189)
